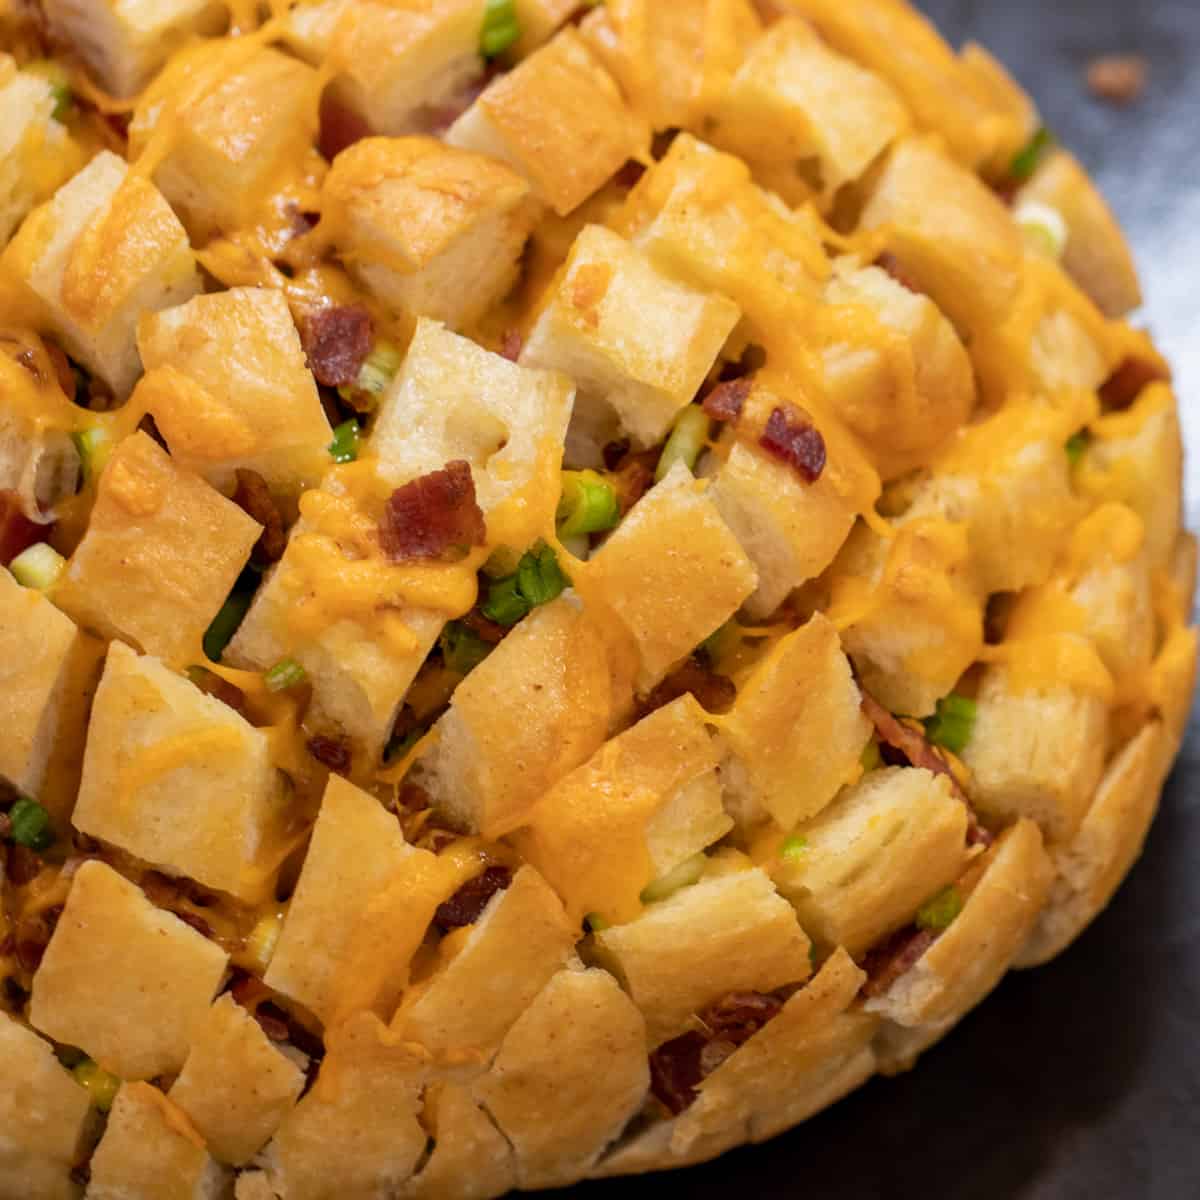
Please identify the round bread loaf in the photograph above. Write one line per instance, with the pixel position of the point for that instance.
(581, 580)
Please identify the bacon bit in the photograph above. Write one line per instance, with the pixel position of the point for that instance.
(81, 1175)
(17, 531)
(340, 127)
(677, 1067)
(62, 369)
(486, 630)
(433, 517)
(333, 753)
(1129, 380)
(201, 926)
(1118, 78)
(634, 478)
(468, 903)
(337, 341)
(888, 262)
(614, 454)
(511, 345)
(414, 798)
(254, 498)
(24, 865)
(5, 830)
(715, 693)
(32, 936)
(630, 174)
(726, 401)
(795, 440)
(895, 956)
(273, 1020)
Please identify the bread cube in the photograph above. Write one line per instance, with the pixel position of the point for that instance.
(971, 956)
(539, 20)
(413, 219)
(904, 394)
(1136, 457)
(178, 779)
(1037, 749)
(36, 152)
(558, 119)
(909, 611)
(692, 819)
(700, 217)
(538, 706)
(42, 665)
(637, 343)
(122, 980)
(669, 57)
(729, 933)
(815, 1051)
(949, 234)
(161, 553)
(105, 249)
(356, 849)
(235, 1087)
(228, 386)
(44, 1118)
(673, 572)
(240, 123)
(521, 939)
(1007, 480)
(1012, 119)
(357, 1133)
(1089, 868)
(1097, 255)
(544, 1090)
(470, 1159)
(794, 98)
(874, 856)
(589, 834)
(797, 730)
(944, 93)
(253, 1185)
(399, 66)
(1185, 560)
(454, 400)
(149, 1151)
(126, 41)
(1102, 590)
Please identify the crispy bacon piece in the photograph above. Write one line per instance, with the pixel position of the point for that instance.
(1130, 379)
(254, 498)
(726, 401)
(511, 345)
(894, 956)
(433, 517)
(32, 936)
(633, 478)
(486, 630)
(918, 751)
(340, 127)
(17, 531)
(677, 1067)
(715, 693)
(795, 440)
(24, 865)
(614, 454)
(333, 753)
(466, 905)
(337, 341)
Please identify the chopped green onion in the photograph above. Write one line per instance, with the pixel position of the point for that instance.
(101, 1086)
(462, 648)
(871, 758)
(344, 447)
(1029, 157)
(60, 85)
(30, 825)
(538, 580)
(684, 875)
(1076, 445)
(793, 848)
(939, 913)
(38, 567)
(225, 624)
(1042, 227)
(287, 673)
(374, 376)
(539, 577)
(94, 446)
(501, 28)
(687, 439)
(953, 723)
(595, 922)
(588, 504)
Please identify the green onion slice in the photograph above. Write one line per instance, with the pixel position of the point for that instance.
(94, 445)
(588, 504)
(1075, 447)
(1027, 160)
(344, 447)
(794, 848)
(100, 1085)
(939, 913)
(225, 624)
(687, 440)
(287, 673)
(462, 648)
(953, 723)
(31, 826)
(38, 567)
(676, 879)
(501, 28)
(377, 372)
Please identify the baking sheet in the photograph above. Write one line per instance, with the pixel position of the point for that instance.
(1080, 1080)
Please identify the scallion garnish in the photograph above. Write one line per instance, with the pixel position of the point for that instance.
(38, 567)
(588, 504)
(1076, 445)
(538, 580)
(287, 673)
(99, 1084)
(687, 440)
(793, 848)
(462, 648)
(953, 723)
(29, 825)
(93, 445)
(939, 913)
(225, 624)
(344, 447)
(1029, 157)
(501, 28)
(377, 372)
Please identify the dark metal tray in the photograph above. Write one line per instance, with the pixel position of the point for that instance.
(1081, 1080)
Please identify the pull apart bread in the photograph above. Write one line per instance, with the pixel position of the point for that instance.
(581, 580)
